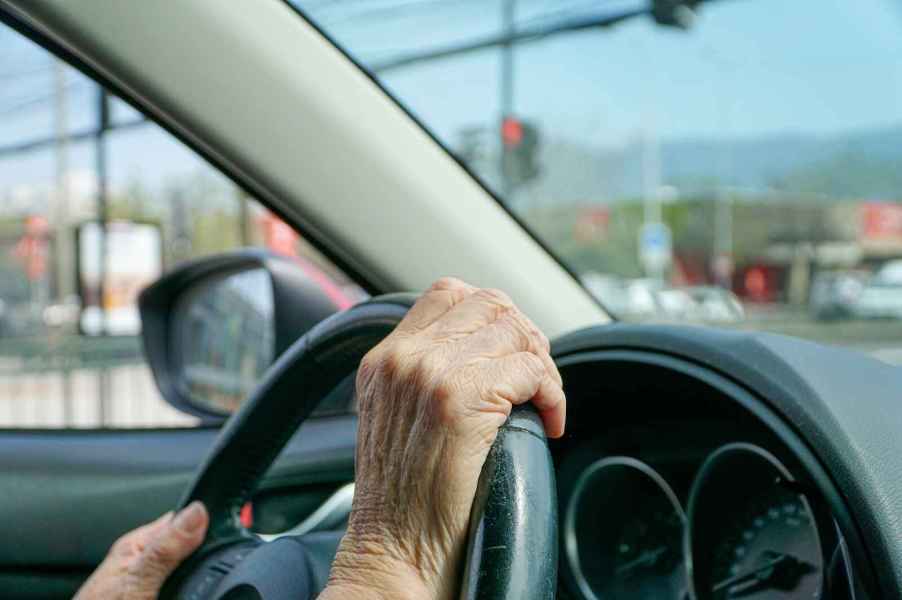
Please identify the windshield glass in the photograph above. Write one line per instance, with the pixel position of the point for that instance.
(736, 162)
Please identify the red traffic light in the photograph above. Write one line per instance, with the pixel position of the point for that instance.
(511, 132)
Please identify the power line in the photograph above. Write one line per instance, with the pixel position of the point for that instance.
(521, 35)
(43, 69)
(401, 9)
(665, 12)
(561, 11)
(33, 101)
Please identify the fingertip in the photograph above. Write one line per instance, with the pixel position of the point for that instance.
(554, 421)
(192, 519)
(552, 405)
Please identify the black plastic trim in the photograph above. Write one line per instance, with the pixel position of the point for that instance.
(573, 351)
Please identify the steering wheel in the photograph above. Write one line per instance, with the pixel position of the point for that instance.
(512, 547)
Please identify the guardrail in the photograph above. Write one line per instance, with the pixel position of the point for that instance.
(71, 381)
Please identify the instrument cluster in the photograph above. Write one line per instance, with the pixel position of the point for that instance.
(747, 530)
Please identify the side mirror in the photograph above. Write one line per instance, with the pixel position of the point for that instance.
(211, 328)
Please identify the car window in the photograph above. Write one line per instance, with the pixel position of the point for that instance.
(733, 163)
(96, 202)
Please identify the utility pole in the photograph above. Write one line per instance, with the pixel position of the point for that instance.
(103, 212)
(244, 218)
(655, 240)
(508, 10)
(651, 177)
(103, 208)
(64, 249)
(723, 265)
(723, 236)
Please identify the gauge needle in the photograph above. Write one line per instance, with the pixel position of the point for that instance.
(649, 557)
(778, 565)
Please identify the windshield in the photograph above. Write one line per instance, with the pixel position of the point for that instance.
(736, 162)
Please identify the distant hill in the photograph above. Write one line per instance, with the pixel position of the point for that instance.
(858, 164)
(794, 161)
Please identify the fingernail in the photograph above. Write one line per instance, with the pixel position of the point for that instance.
(190, 518)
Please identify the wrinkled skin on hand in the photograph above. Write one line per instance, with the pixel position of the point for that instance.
(431, 398)
(141, 560)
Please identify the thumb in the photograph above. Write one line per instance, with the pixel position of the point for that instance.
(170, 545)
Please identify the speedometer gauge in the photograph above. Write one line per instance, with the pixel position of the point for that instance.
(769, 550)
(752, 533)
(623, 533)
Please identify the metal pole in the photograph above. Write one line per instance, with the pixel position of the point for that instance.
(244, 218)
(68, 409)
(103, 208)
(506, 81)
(64, 250)
(651, 177)
(103, 211)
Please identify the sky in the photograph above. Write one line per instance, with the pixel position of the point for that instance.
(747, 68)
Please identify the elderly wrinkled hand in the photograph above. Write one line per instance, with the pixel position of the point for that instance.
(431, 398)
(140, 561)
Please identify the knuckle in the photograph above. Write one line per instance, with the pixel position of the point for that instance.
(159, 555)
(444, 402)
(391, 363)
(137, 569)
(120, 546)
(444, 284)
(368, 365)
(515, 329)
(533, 365)
(403, 347)
(430, 366)
(542, 340)
(495, 296)
(537, 339)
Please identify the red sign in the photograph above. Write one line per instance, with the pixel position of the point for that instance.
(881, 221)
(592, 224)
(281, 238)
(32, 248)
(278, 235)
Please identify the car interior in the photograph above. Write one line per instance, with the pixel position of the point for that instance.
(699, 463)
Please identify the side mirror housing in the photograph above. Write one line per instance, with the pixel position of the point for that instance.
(212, 327)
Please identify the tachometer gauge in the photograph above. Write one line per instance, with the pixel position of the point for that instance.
(751, 532)
(623, 533)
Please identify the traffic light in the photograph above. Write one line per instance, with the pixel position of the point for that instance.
(674, 13)
(519, 147)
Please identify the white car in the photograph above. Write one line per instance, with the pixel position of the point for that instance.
(881, 295)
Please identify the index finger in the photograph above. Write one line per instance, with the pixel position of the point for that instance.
(435, 302)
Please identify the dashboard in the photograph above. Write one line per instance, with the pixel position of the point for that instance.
(673, 485)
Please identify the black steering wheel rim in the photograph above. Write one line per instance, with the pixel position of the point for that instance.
(502, 554)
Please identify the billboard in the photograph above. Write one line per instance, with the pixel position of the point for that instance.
(133, 259)
(881, 221)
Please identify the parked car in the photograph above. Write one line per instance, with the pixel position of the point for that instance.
(835, 294)
(715, 304)
(881, 296)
